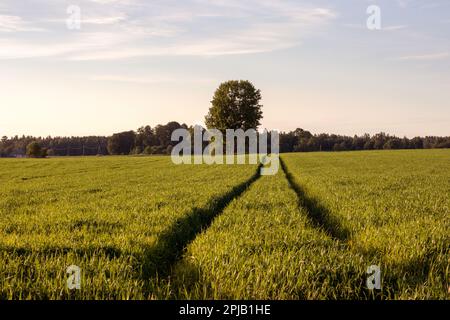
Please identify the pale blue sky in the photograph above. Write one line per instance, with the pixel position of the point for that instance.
(136, 62)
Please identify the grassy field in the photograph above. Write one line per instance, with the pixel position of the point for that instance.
(143, 228)
(264, 247)
(121, 219)
(312, 231)
(391, 207)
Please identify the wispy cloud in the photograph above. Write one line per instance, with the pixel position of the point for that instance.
(155, 79)
(11, 48)
(194, 27)
(395, 28)
(103, 20)
(362, 26)
(92, 20)
(424, 57)
(123, 2)
(403, 3)
(9, 23)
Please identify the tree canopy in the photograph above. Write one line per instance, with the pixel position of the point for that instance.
(34, 150)
(235, 105)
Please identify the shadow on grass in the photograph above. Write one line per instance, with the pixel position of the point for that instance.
(110, 252)
(159, 259)
(415, 274)
(189, 281)
(318, 214)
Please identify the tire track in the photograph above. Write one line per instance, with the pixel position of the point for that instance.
(318, 214)
(158, 261)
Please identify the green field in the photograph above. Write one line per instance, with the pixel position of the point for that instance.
(143, 228)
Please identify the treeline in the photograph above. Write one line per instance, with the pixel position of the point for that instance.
(145, 140)
(157, 140)
(54, 146)
(300, 140)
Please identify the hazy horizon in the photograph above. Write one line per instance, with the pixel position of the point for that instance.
(314, 132)
(137, 63)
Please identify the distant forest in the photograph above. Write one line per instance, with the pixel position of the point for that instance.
(157, 140)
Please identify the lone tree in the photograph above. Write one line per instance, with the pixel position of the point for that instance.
(235, 105)
(34, 150)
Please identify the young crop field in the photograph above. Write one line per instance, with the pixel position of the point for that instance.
(144, 228)
(312, 231)
(264, 247)
(391, 207)
(122, 220)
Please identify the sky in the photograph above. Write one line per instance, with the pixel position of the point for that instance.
(96, 67)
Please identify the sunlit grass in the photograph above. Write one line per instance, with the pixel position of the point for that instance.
(105, 215)
(144, 228)
(395, 206)
(313, 233)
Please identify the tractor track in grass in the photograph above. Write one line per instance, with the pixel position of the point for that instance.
(318, 214)
(321, 218)
(158, 261)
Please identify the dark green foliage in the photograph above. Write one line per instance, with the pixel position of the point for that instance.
(163, 133)
(57, 146)
(154, 150)
(235, 105)
(136, 150)
(157, 140)
(145, 137)
(300, 140)
(34, 150)
(121, 143)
